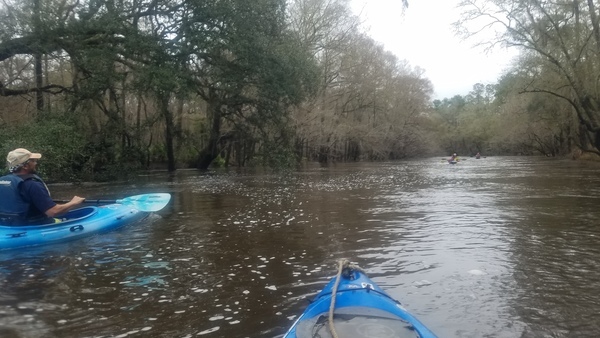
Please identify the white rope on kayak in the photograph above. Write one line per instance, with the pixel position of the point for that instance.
(343, 264)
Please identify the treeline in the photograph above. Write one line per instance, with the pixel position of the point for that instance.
(104, 87)
(549, 102)
(500, 119)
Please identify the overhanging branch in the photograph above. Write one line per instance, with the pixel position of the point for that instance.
(51, 88)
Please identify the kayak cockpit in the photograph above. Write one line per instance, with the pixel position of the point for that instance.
(71, 216)
(77, 214)
(356, 321)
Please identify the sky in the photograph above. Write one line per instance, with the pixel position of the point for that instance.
(424, 37)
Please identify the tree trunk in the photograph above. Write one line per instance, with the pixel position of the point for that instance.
(179, 122)
(211, 151)
(169, 127)
(39, 83)
(39, 75)
(591, 108)
(595, 24)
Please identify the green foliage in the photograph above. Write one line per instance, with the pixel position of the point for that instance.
(275, 154)
(275, 158)
(57, 139)
(218, 162)
(247, 67)
(67, 153)
(158, 153)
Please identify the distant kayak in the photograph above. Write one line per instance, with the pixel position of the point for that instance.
(361, 309)
(83, 222)
(450, 161)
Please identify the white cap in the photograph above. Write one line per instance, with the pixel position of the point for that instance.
(20, 156)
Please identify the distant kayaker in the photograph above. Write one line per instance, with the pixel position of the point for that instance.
(477, 156)
(453, 158)
(24, 197)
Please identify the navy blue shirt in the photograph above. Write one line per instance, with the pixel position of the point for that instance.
(36, 193)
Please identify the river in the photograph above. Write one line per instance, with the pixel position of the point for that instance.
(490, 247)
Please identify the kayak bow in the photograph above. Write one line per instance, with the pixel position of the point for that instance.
(361, 309)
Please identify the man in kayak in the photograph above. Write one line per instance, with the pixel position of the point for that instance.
(24, 197)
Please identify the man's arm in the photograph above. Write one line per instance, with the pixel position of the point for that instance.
(39, 196)
(59, 209)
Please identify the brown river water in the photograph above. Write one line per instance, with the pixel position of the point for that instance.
(495, 247)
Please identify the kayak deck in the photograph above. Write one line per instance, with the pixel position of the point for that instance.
(362, 309)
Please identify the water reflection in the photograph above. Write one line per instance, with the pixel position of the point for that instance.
(498, 247)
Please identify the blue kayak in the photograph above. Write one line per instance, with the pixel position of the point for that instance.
(362, 309)
(75, 224)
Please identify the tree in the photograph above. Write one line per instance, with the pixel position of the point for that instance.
(367, 100)
(537, 123)
(565, 38)
(246, 67)
(106, 45)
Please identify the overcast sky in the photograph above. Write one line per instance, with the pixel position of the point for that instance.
(424, 37)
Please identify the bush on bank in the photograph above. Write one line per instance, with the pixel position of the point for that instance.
(68, 154)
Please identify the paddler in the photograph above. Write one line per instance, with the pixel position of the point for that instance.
(24, 197)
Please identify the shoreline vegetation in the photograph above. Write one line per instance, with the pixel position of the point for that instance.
(103, 90)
